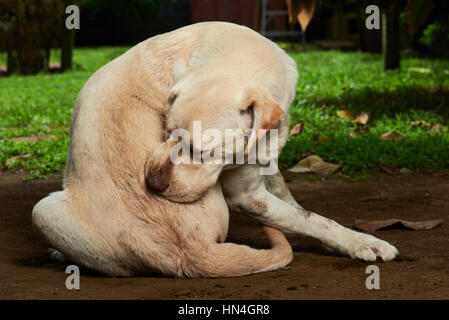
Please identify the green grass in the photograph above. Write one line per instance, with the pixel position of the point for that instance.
(41, 105)
(332, 81)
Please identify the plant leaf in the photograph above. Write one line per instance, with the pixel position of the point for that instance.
(314, 164)
(344, 114)
(297, 129)
(392, 136)
(13, 159)
(362, 118)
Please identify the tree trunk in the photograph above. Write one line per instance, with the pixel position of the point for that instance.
(391, 45)
(12, 62)
(68, 42)
(32, 60)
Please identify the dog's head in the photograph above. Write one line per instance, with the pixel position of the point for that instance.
(210, 120)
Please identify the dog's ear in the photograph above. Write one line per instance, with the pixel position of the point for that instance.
(266, 114)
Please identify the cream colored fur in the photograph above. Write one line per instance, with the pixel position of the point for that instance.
(106, 219)
(243, 70)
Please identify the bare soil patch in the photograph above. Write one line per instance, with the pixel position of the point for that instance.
(421, 272)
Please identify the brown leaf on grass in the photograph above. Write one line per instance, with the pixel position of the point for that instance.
(387, 170)
(24, 139)
(420, 123)
(314, 164)
(420, 70)
(405, 171)
(391, 136)
(322, 139)
(359, 130)
(374, 225)
(22, 156)
(436, 128)
(47, 137)
(296, 129)
(344, 114)
(362, 118)
(34, 139)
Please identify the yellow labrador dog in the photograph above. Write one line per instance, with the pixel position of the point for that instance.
(126, 209)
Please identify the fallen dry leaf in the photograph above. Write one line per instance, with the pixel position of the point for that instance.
(405, 171)
(440, 174)
(344, 114)
(387, 170)
(374, 225)
(362, 118)
(358, 130)
(391, 136)
(322, 139)
(314, 164)
(24, 139)
(22, 156)
(420, 123)
(436, 128)
(420, 70)
(47, 137)
(297, 129)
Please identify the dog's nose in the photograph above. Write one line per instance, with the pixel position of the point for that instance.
(157, 181)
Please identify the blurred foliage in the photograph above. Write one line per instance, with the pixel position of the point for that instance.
(30, 28)
(120, 9)
(431, 32)
(333, 81)
(30, 23)
(40, 107)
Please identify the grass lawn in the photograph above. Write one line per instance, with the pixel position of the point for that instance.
(38, 108)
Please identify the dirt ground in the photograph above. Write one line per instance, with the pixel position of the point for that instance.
(421, 272)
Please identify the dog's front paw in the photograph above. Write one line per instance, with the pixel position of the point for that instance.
(368, 248)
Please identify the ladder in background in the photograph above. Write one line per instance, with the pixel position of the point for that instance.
(267, 15)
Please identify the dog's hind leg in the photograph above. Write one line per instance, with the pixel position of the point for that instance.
(54, 221)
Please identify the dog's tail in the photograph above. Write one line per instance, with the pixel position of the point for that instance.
(232, 260)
